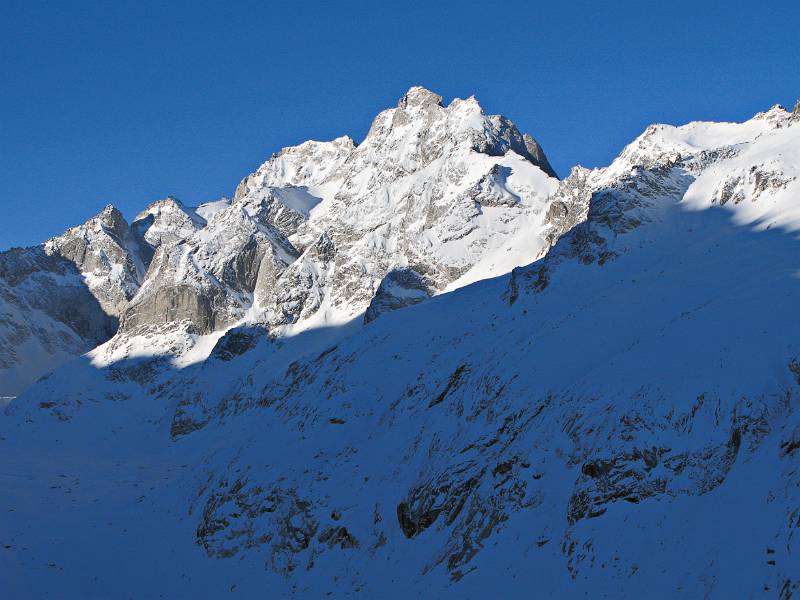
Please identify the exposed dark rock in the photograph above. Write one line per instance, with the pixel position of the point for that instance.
(400, 288)
(238, 515)
(632, 476)
(794, 367)
(171, 304)
(788, 446)
(338, 536)
(452, 384)
(237, 341)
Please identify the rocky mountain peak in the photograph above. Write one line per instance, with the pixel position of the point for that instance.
(324, 230)
(421, 130)
(109, 211)
(168, 202)
(309, 164)
(163, 223)
(112, 220)
(419, 96)
(777, 116)
(312, 235)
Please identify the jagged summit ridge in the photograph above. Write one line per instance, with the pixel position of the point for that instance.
(105, 252)
(441, 195)
(312, 232)
(445, 194)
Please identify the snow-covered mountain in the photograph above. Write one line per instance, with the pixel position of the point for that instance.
(443, 196)
(617, 417)
(446, 194)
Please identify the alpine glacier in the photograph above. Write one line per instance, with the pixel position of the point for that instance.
(591, 389)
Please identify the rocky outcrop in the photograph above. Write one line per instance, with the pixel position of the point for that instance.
(400, 288)
(209, 278)
(236, 342)
(203, 309)
(241, 515)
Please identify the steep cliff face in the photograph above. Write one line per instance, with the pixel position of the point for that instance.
(618, 419)
(445, 191)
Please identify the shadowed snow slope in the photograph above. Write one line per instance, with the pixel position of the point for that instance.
(618, 419)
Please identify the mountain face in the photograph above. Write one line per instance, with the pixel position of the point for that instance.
(64, 298)
(440, 192)
(603, 404)
(447, 195)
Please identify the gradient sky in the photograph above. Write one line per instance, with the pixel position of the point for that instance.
(127, 102)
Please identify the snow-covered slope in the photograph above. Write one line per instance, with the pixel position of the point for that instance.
(618, 419)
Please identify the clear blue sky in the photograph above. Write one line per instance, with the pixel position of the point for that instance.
(126, 102)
